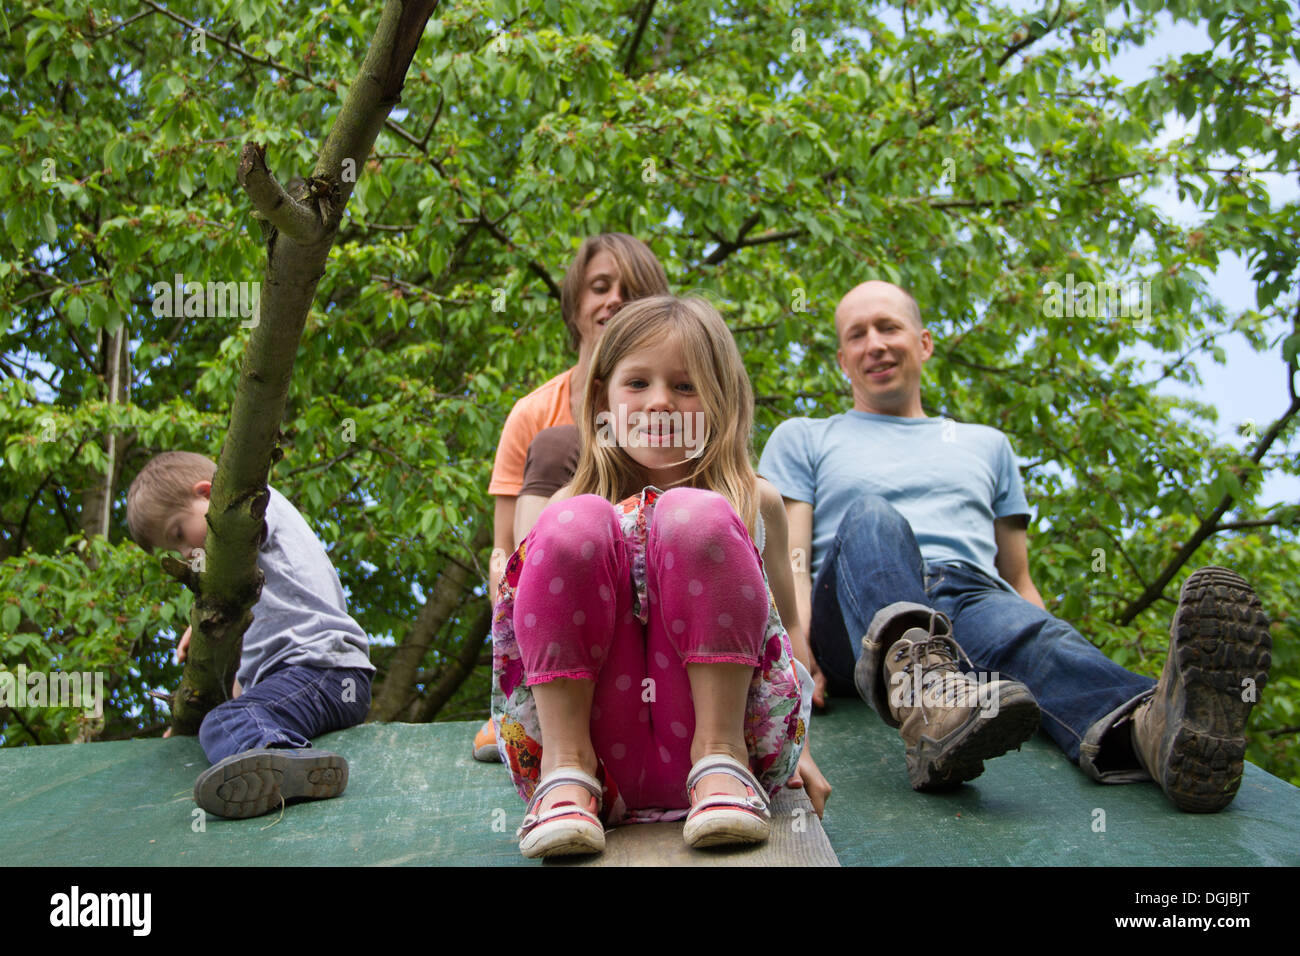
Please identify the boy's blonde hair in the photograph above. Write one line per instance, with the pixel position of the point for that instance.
(164, 487)
(639, 271)
(718, 374)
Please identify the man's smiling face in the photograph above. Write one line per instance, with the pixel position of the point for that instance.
(882, 349)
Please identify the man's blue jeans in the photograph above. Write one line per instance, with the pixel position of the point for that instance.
(287, 709)
(874, 561)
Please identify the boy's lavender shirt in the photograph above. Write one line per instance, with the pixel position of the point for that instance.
(301, 617)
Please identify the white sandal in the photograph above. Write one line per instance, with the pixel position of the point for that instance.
(720, 819)
(566, 828)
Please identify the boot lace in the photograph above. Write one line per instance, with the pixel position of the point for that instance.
(949, 676)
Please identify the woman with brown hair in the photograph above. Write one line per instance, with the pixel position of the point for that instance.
(538, 449)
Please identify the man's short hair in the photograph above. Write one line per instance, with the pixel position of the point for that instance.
(164, 487)
(916, 309)
(639, 271)
(913, 309)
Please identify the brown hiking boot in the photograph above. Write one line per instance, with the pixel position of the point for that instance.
(950, 722)
(1191, 736)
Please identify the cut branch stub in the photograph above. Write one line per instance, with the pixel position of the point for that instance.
(297, 220)
(181, 571)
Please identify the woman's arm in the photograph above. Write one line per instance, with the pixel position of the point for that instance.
(503, 542)
(506, 530)
(562, 493)
(528, 508)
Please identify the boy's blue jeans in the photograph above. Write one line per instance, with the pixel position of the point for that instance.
(874, 561)
(287, 709)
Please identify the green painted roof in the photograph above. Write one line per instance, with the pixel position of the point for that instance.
(416, 797)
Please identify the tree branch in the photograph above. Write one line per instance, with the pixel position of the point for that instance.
(538, 269)
(22, 525)
(323, 465)
(234, 48)
(727, 246)
(947, 107)
(647, 7)
(117, 26)
(1204, 529)
(13, 712)
(393, 696)
(458, 670)
(1283, 521)
(1011, 203)
(1182, 359)
(1030, 38)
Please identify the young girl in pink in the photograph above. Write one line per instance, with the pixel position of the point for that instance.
(635, 633)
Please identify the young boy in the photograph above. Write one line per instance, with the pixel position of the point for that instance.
(305, 668)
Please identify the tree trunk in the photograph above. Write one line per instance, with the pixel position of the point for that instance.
(299, 230)
(394, 695)
(97, 497)
(457, 670)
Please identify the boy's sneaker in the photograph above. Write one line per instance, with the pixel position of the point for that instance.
(485, 744)
(1191, 736)
(258, 781)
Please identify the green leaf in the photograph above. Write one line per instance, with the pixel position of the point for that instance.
(35, 56)
(437, 259)
(1291, 348)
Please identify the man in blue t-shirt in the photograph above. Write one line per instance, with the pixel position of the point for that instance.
(920, 565)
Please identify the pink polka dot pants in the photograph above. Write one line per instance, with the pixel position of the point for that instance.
(575, 616)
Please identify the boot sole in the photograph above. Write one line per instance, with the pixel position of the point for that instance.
(960, 756)
(1220, 637)
(257, 782)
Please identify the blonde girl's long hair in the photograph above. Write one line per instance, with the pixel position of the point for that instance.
(718, 374)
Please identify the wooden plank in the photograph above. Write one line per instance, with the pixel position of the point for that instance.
(797, 840)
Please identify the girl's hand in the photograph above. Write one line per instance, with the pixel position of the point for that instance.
(810, 779)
